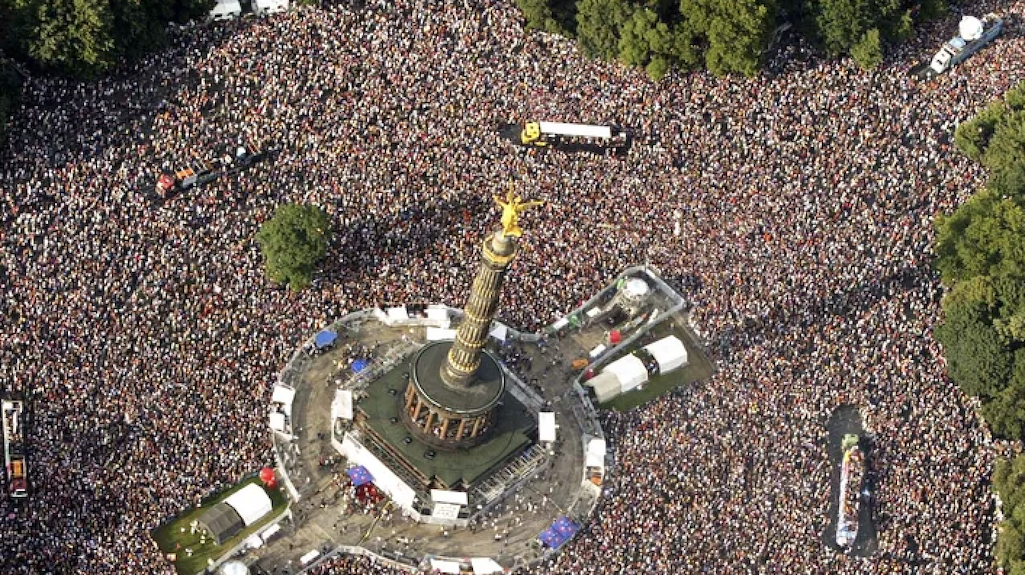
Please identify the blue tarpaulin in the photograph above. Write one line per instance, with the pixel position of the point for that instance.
(359, 475)
(325, 338)
(561, 531)
(359, 365)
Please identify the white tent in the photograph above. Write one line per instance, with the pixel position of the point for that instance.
(397, 313)
(598, 350)
(251, 503)
(440, 334)
(546, 426)
(283, 394)
(595, 456)
(225, 10)
(560, 323)
(271, 532)
(453, 497)
(234, 568)
(309, 557)
(485, 566)
(499, 331)
(438, 316)
(263, 7)
(254, 541)
(277, 421)
(629, 370)
(669, 352)
(341, 406)
(606, 386)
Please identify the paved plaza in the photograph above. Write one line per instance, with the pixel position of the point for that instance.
(328, 520)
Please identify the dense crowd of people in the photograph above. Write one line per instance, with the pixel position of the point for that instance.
(793, 210)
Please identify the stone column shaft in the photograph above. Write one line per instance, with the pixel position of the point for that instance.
(464, 357)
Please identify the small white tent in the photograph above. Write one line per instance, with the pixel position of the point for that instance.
(485, 566)
(629, 370)
(264, 7)
(251, 503)
(283, 394)
(225, 10)
(669, 352)
(605, 386)
(546, 426)
(595, 456)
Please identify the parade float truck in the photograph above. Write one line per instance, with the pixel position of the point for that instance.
(14, 454)
(973, 34)
(198, 172)
(852, 479)
(568, 137)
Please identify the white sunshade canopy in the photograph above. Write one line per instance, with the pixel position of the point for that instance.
(397, 313)
(595, 456)
(341, 407)
(484, 566)
(251, 503)
(629, 370)
(546, 426)
(453, 497)
(283, 394)
(560, 323)
(669, 352)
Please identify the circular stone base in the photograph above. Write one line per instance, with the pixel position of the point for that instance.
(479, 397)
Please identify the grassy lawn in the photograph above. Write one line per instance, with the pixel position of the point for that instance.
(171, 533)
(698, 368)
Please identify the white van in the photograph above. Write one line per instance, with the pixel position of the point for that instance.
(225, 10)
(266, 7)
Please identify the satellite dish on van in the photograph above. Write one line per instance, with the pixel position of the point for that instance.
(970, 28)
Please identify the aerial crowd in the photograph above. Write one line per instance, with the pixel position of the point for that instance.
(793, 210)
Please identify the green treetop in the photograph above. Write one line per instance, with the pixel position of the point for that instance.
(293, 242)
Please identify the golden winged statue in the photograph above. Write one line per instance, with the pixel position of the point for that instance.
(512, 207)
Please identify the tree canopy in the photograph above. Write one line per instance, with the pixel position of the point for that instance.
(83, 38)
(728, 36)
(1009, 483)
(293, 242)
(980, 254)
(996, 138)
(9, 94)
